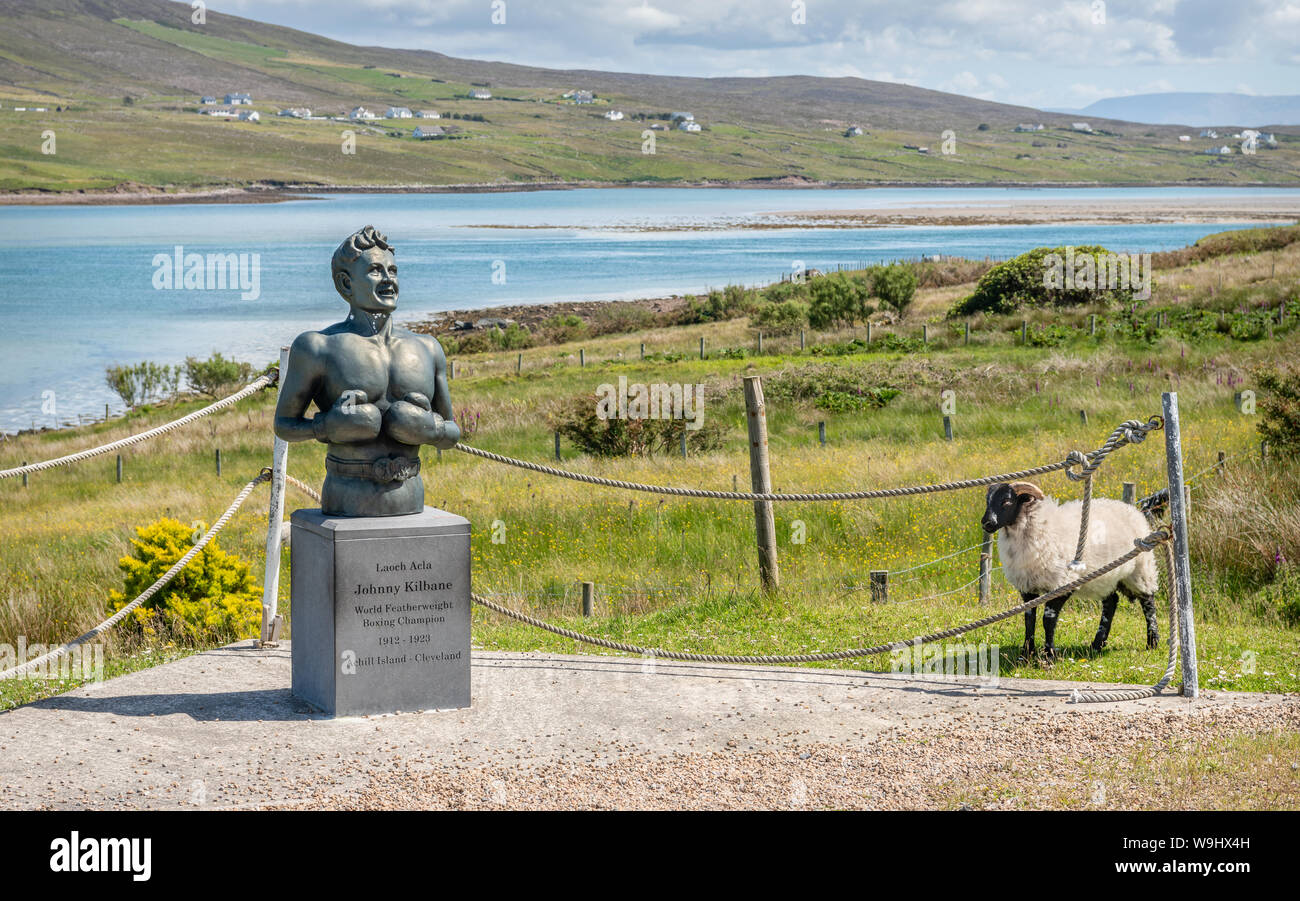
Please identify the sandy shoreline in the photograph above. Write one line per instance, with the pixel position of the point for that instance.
(1040, 211)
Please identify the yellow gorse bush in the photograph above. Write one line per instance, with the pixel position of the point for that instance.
(213, 599)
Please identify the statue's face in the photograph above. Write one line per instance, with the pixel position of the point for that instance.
(370, 283)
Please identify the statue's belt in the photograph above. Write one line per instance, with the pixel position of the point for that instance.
(385, 469)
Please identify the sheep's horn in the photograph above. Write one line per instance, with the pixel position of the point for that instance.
(1028, 488)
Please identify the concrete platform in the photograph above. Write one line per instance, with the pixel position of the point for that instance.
(221, 730)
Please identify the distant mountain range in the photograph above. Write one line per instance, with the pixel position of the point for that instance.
(1179, 108)
(119, 82)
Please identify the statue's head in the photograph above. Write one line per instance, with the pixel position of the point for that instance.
(365, 271)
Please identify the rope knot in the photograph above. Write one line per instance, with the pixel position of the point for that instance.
(1080, 459)
(1152, 541)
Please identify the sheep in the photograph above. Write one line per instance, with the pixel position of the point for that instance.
(1037, 545)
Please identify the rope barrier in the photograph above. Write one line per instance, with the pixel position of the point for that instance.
(263, 476)
(252, 388)
(149, 592)
(1126, 433)
(1141, 546)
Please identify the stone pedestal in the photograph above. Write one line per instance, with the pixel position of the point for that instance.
(380, 611)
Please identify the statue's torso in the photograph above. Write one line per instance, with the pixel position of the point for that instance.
(386, 370)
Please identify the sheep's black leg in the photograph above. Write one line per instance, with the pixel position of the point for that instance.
(1148, 602)
(1107, 615)
(1031, 623)
(1051, 610)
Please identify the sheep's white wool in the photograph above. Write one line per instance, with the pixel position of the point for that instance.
(1036, 550)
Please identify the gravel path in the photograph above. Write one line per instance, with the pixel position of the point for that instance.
(220, 730)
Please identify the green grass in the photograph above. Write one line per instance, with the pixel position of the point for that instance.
(682, 574)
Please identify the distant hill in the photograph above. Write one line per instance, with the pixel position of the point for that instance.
(1242, 110)
(119, 83)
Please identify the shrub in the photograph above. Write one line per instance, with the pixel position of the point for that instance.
(731, 302)
(894, 285)
(143, 383)
(1022, 281)
(212, 600)
(830, 387)
(512, 337)
(216, 375)
(1279, 408)
(837, 300)
(780, 318)
(577, 420)
(1053, 335)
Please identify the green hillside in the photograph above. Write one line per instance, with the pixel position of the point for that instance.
(120, 81)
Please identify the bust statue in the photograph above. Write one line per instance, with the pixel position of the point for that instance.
(380, 392)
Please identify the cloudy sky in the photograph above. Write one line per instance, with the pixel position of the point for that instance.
(1043, 53)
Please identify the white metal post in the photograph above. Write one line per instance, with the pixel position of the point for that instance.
(279, 465)
(1182, 574)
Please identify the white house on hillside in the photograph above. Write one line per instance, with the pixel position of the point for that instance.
(239, 99)
(250, 115)
(207, 100)
(688, 125)
(428, 114)
(583, 97)
(397, 112)
(480, 94)
(1082, 126)
(361, 112)
(689, 117)
(614, 115)
(425, 132)
(853, 131)
(295, 112)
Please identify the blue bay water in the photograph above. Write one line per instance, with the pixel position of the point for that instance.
(77, 283)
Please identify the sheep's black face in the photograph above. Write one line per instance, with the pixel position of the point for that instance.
(1003, 506)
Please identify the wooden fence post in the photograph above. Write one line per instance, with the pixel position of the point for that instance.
(760, 344)
(925, 333)
(879, 586)
(947, 427)
(557, 446)
(802, 342)
(582, 356)
(1024, 332)
(643, 350)
(218, 456)
(24, 475)
(1083, 417)
(1219, 469)
(1130, 493)
(986, 567)
(519, 364)
(821, 432)
(967, 333)
(119, 469)
(760, 478)
(1182, 575)
(588, 598)
(868, 331)
(1092, 326)
(701, 347)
